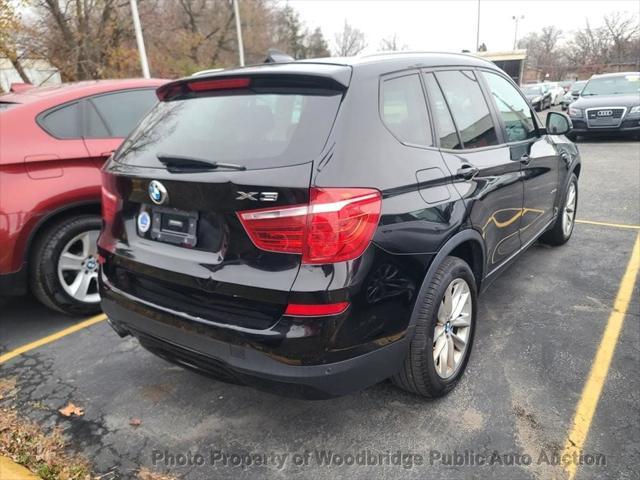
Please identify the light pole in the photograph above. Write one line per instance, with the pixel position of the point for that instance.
(515, 33)
(478, 29)
(236, 13)
(139, 39)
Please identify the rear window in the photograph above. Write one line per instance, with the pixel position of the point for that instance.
(255, 130)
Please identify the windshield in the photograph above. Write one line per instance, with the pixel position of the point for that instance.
(618, 85)
(578, 86)
(251, 130)
(532, 90)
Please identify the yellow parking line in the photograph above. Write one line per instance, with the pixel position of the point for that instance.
(51, 338)
(600, 367)
(606, 224)
(10, 470)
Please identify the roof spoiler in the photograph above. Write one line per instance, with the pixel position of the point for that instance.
(276, 56)
(19, 87)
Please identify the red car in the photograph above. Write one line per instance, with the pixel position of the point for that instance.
(53, 142)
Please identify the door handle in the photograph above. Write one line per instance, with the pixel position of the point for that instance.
(525, 159)
(467, 171)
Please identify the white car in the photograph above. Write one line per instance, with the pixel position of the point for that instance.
(557, 92)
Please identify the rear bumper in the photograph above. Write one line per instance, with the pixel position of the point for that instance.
(14, 283)
(205, 350)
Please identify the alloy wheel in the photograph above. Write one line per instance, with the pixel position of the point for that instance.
(569, 211)
(78, 267)
(453, 328)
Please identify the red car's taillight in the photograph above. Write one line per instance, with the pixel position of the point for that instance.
(109, 198)
(337, 225)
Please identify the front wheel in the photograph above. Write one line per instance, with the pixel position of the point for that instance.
(561, 231)
(441, 344)
(64, 266)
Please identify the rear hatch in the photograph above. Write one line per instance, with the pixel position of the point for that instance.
(174, 193)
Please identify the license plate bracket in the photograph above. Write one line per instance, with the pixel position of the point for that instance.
(170, 225)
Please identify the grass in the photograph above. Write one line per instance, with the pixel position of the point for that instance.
(24, 442)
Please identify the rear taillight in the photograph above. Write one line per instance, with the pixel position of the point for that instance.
(337, 225)
(109, 198)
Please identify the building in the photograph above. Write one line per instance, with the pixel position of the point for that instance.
(40, 72)
(512, 62)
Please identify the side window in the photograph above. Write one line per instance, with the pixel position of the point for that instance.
(94, 127)
(63, 122)
(123, 110)
(468, 107)
(444, 123)
(514, 110)
(404, 110)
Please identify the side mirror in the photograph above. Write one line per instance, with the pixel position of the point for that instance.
(558, 123)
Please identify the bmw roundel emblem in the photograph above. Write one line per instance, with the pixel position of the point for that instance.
(157, 193)
(144, 222)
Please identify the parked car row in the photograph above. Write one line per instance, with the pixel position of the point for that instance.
(53, 142)
(572, 94)
(539, 95)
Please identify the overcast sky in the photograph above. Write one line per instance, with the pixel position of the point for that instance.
(450, 25)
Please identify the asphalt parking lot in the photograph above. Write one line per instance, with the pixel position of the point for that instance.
(540, 327)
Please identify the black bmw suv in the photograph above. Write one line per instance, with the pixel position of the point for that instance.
(315, 227)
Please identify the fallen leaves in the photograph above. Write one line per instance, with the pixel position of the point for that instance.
(135, 422)
(43, 453)
(7, 387)
(71, 409)
(146, 474)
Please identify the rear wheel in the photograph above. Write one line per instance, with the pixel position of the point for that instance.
(64, 266)
(441, 345)
(561, 231)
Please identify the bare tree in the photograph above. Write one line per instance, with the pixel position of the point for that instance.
(350, 41)
(622, 30)
(391, 44)
(589, 46)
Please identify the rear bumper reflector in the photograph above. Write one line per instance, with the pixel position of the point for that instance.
(315, 310)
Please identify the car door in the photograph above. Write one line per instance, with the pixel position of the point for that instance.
(110, 117)
(536, 154)
(473, 149)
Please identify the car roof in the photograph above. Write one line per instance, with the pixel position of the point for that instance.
(70, 91)
(340, 68)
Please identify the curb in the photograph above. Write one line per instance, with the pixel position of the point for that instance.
(10, 470)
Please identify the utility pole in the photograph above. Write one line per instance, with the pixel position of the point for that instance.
(515, 33)
(478, 29)
(139, 39)
(236, 13)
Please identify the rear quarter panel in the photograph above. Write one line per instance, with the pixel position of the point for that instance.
(39, 176)
(421, 210)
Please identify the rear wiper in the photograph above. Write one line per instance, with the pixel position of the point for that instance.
(180, 162)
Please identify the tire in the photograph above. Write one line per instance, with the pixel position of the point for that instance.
(420, 374)
(45, 280)
(558, 234)
(572, 136)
